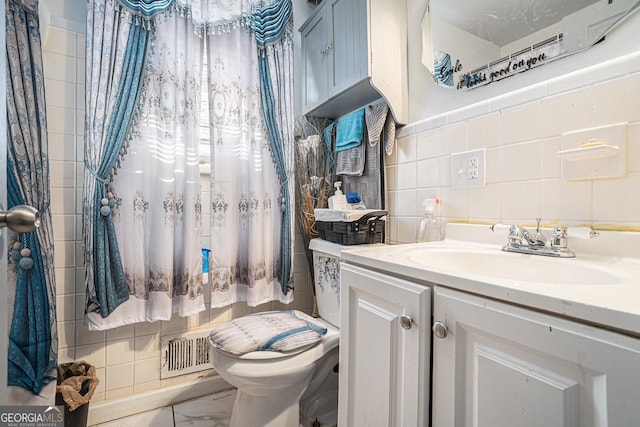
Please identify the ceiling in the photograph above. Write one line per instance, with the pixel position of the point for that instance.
(504, 21)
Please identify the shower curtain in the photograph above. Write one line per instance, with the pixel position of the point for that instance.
(151, 192)
(33, 338)
(247, 201)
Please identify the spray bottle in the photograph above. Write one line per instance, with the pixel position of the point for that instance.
(429, 228)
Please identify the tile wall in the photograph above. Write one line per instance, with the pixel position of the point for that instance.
(127, 358)
(521, 133)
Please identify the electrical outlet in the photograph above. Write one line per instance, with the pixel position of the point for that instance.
(468, 168)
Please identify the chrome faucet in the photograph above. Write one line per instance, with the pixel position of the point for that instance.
(524, 241)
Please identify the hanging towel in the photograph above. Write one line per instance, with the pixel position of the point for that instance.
(351, 162)
(350, 130)
(374, 117)
(328, 138)
(389, 136)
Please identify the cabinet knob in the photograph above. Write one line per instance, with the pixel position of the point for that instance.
(329, 47)
(405, 322)
(440, 330)
(323, 51)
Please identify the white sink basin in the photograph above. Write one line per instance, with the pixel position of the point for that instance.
(500, 265)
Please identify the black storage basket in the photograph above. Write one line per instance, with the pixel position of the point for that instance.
(367, 229)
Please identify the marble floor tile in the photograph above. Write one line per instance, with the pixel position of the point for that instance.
(162, 417)
(208, 411)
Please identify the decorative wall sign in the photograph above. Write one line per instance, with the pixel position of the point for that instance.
(515, 63)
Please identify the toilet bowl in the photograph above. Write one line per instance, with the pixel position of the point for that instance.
(284, 389)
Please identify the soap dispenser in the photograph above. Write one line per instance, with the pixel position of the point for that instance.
(429, 228)
(338, 200)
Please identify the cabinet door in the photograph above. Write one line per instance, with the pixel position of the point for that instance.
(315, 60)
(503, 366)
(384, 358)
(348, 47)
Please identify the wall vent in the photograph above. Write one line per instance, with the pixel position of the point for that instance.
(185, 353)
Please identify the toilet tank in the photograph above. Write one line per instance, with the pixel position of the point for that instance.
(326, 272)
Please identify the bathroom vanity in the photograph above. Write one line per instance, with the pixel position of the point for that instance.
(516, 339)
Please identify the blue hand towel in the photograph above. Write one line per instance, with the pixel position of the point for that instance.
(350, 130)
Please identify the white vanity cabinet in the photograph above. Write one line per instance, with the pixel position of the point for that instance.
(385, 334)
(499, 365)
(354, 51)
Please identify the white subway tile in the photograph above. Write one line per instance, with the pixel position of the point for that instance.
(147, 370)
(60, 41)
(445, 171)
(615, 102)
(119, 377)
(407, 228)
(59, 67)
(567, 112)
(406, 148)
(61, 120)
(120, 333)
(454, 203)
(66, 334)
(146, 346)
(64, 254)
(428, 144)
(633, 147)
(65, 307)
(453, 138)
(61, 146)
(616, 199)
(120, 351)
(84, 336)
(484, 132)
(520, 124)
(550, 160)
(64, 227)
(60, 93)
(522, 162)
(65, 281)
(484, 202)
(521, 201)
(428, 173)
(406, 176)
(566, 201)
(406, 203)
(493, 169)
(94, 354)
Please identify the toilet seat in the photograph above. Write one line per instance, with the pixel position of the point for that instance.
(254, 364)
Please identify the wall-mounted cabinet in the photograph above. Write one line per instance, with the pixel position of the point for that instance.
(354, 52)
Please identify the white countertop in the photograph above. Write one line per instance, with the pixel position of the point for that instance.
(614, 304)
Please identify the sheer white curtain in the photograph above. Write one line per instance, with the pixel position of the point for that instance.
(245, 190)
(157, 216)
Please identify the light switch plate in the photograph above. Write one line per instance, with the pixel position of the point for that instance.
(468, 168)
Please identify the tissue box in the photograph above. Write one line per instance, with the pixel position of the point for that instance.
(366, 228)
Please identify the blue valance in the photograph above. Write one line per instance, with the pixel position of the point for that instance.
(147, 9)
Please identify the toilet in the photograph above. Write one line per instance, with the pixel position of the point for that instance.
(297, 387)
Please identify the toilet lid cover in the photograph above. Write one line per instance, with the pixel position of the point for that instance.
(281, 331)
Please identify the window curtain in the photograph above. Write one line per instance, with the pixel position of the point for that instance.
(33, 338)
(246, 191)
(157, 216)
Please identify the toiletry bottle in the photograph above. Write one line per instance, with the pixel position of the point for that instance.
(429, 228)
(338, 200)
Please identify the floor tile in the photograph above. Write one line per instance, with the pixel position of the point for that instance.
(162, 417)
(208, 411)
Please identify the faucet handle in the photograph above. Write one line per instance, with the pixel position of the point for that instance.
(560, 239)
(515, 234)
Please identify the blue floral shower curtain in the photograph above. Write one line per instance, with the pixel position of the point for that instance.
(33, 338)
